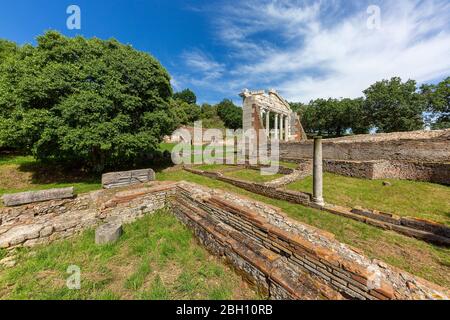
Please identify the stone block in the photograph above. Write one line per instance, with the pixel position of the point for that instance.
(21, 198)
(108, 233)
(126, 178)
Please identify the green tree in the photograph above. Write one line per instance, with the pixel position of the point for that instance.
(230, 114)
(84, 102)
(187, 96)
(7, 49)
(355, 116)
(438, 103)
(210, 118)
(185, 113)
(394, 105)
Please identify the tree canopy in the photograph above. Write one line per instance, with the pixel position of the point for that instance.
(394, 105)
(186, 95)
(437, 99)
(230, 114)
(84, 102)
(388, 106)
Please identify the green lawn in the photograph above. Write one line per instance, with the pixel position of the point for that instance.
(156, 258)
(420, 258)
(405, 198)
(24, 173)
(214, 167)
(252, 175)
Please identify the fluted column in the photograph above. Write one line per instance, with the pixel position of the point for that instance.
(276, 126)
(287, 129)
(268, 123)
(281, 127)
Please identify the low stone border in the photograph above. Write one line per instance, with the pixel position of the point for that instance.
(284, 258)
(428, 231)
(17, 199)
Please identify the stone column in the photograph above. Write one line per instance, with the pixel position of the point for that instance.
(281, 127)
(268, 123)
(318, 172)
(276, 125)
(287, 129)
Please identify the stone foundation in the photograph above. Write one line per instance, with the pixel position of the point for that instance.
(429, 231)
(282, 257)
(420, 155)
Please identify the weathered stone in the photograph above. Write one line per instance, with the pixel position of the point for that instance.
(37, 196)
(125, 178)
(387, 184)
(282, 257)
(17, 235)
(108, 233)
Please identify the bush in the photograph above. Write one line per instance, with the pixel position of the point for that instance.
(84, 102)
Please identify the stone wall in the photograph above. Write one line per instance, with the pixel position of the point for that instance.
(384, 169)
(421, 146)
(284, 258)
(45, 222)
(429, 231)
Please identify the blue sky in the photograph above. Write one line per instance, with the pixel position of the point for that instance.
(305, 49)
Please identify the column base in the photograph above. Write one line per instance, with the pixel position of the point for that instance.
(318, 201)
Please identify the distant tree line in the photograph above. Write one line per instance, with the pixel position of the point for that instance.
(387, 106)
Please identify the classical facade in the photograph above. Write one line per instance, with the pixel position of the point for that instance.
(269, 111)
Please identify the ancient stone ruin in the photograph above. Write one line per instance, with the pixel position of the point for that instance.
(259, 106)
(419, 155)
(284, 258)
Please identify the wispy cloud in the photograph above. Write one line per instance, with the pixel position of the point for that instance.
(311, 49)
(202, 64)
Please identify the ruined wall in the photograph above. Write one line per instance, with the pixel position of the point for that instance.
(426, 230)
(383, 169)
(421, 155)
(420, 146)
(44, 222)
(284, 258)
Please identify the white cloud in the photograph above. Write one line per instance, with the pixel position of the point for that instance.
(317, 49)
(201, 63)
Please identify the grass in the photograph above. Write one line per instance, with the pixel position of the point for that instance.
(417, 257)
(156, 258)
(24, 173)
(405, 198)
(420, 258)
(214, 167)
(252, 175)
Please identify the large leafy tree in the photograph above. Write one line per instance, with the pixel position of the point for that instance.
(394, 105)
(185, 113)
(438, 103)
(333, 117)
(230, 114)
(90, 103)
(186, 95)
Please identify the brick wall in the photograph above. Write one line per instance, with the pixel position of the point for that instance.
(284, 258)
(421, 146)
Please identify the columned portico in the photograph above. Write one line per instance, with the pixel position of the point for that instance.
(285, 125)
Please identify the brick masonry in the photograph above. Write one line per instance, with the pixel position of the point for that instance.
(282, 257)
(429, 231)
(420, 155)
